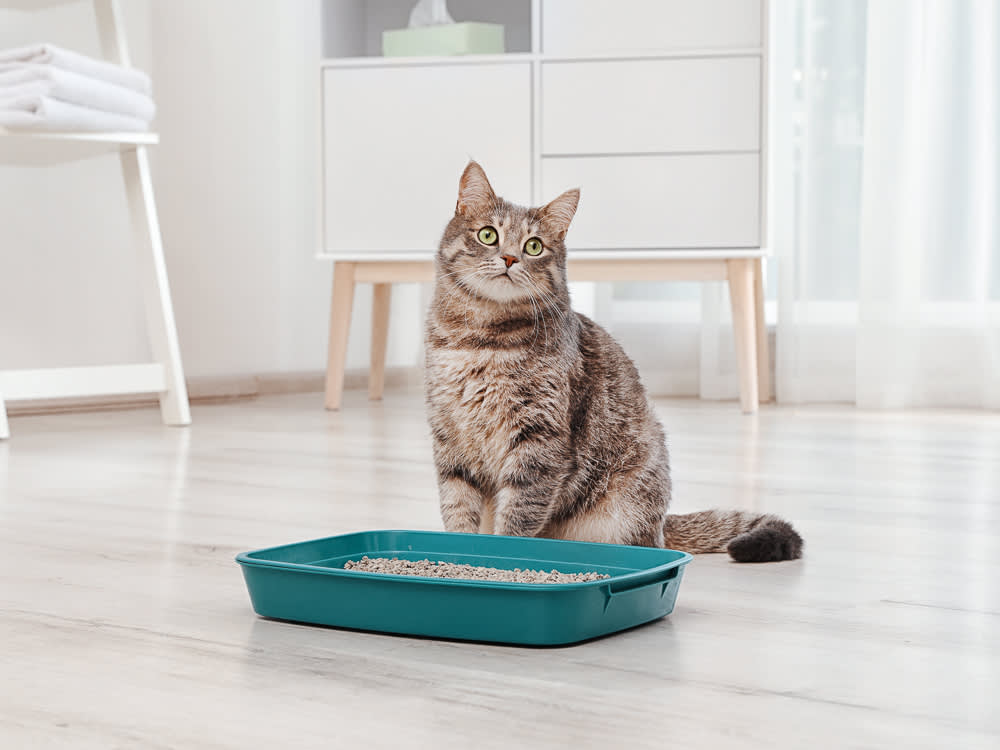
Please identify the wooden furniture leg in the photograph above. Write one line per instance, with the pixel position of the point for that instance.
(341, 304)
(741, 295)
(4, 427)
(381, 297)
(745, 290)
(763, 350)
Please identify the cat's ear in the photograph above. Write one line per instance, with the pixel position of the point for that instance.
(559, 212)
(474, 191)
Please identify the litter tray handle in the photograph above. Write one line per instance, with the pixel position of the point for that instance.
(661, 579)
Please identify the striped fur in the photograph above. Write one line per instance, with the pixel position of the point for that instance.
(540, 424)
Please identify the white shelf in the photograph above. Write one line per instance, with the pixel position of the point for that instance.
(612, 255)
(32, 4)
(664, 54)
(45, 148)
(679, 54)
(381, 62)
(67, 382)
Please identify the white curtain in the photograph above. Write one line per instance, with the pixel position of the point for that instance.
(884, 201)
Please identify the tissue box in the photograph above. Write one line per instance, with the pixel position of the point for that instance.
(444, 39)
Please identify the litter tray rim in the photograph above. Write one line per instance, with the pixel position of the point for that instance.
(650, 575)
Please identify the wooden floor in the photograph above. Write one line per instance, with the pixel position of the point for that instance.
(124, 622)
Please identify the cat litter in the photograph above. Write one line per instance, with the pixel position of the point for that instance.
(431, 569)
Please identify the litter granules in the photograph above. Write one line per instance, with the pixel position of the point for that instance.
(395, 566)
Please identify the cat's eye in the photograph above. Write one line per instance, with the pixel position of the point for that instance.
(488, 236)
(533, 246)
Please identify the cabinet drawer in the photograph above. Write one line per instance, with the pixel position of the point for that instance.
(395, 141)
(615, 107)
(682, 201)
(608, 26)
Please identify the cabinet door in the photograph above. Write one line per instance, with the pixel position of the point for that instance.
(396, 139)
(682, 201)
(573, 27)
(651, 106)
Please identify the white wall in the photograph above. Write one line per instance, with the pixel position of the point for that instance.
(305, 283)
(65, 265)
(236, 180)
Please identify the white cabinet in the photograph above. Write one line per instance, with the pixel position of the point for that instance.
(395, 139)
(653, 108)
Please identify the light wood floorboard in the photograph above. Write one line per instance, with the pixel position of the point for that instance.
(124, 622)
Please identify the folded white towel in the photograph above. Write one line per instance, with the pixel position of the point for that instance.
(45, 113)
(20, 81)
(48, 54)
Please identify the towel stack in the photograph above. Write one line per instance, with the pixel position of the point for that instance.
(43, 87)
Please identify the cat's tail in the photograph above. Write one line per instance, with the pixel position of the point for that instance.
(747, 537)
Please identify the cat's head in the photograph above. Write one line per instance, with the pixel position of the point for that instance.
(503, 252)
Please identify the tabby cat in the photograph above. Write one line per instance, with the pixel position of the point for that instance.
(541, 426)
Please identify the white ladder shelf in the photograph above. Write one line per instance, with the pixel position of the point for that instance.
(164, 376)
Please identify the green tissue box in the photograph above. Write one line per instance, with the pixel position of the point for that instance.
(445, 39)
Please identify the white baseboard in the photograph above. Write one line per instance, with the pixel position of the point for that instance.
(215, 388)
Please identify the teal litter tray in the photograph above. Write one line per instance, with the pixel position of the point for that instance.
(306, 582)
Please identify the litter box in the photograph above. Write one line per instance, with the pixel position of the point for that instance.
(306, 582)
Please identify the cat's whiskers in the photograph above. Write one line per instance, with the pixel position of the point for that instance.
(461, 283)
(528, 285)
(464, 281)
(541, 312)
(451, 294)
(560, 313)
(535, 316)
(551, 302)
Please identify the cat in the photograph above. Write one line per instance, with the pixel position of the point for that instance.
(540, 424)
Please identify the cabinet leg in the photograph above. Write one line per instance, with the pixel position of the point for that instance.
(4, 427)
(741, 296)
(763, 350)
(341, 304)
(381, 298)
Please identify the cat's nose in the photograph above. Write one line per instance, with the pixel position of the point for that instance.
(508, 259)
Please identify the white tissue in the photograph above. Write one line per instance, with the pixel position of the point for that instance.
(429, 13)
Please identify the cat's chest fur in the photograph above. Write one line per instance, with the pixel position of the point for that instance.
(481, 400)
(476, 390)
